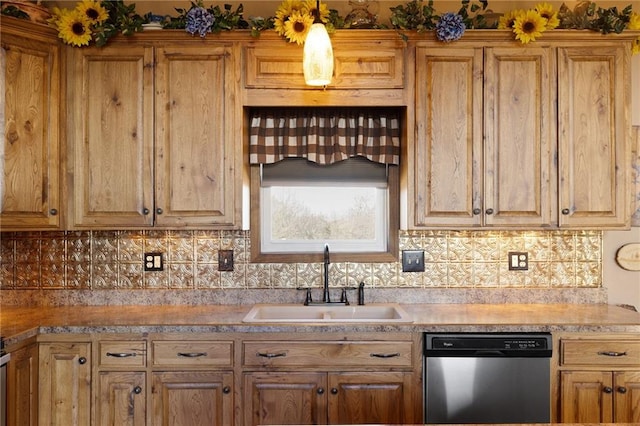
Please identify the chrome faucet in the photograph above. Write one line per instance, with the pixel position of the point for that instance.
(326, 298)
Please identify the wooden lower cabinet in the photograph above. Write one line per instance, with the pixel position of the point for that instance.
(22, 385)
(600, 397)
(599, 379)
(121, 398)
(327, 398)
(194, 398)
(65, 384)
(284, 397)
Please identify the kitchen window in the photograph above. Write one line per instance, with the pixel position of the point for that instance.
(324, 176)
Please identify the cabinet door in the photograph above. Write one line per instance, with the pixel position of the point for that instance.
(22, 387)
(65, 384)
(519, 98)
(112, 136)
(198, 398)
(121, 399)
(627, 397)
(380, 397)
(31, 100)
(593, 101)
(586, 396)
(197, 137)
(448, 151)
(284, 398)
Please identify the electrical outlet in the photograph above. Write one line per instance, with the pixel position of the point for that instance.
(518, 261)
(412, 260)
(153, 262)
(225, 260)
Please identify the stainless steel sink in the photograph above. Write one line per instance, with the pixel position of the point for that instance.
(374, 313)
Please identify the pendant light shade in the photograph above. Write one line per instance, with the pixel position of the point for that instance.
(317, 60)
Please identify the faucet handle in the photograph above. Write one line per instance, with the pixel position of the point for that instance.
(308, 299)
(343, 296)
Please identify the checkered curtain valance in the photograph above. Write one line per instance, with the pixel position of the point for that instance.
(324, 135)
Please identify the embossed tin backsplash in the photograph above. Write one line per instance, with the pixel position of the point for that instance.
(99, 260)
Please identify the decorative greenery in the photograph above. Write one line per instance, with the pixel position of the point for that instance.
(98, 21)
(11, 10)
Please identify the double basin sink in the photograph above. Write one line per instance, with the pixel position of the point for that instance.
(328, 313)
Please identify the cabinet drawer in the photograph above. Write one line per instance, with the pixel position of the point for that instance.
(192, 354)
(327, 354)
(368, 65)
(601, 352)
(122, 354)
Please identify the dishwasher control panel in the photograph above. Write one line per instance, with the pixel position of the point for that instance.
(490, 344)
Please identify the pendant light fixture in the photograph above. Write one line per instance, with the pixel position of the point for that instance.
(317, 60)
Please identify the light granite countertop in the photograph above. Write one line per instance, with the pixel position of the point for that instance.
(17, 323)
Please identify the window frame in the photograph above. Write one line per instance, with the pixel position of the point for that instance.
(390, 255)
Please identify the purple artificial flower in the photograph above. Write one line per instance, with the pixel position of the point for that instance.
(199, 20)
(450, 27)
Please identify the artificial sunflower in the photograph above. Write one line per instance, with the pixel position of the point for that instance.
(546, 11)
(297, 27)
(634, 22)
(528, 26)
(284, 11)
(93, 10)
(506, 21)
(74, 28)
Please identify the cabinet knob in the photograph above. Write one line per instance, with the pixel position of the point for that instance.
(226, 389)
(622, 389)
(145, 211)
(334, 391)
(489, 211)
(476, 211)
(158, 210)
(565, 211)
(82, 360)
(607, 389)
(53, 212)
(320, 391)
(137, 390)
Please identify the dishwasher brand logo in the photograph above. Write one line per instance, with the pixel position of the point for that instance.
(447, 344)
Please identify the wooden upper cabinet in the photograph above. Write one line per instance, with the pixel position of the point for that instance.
(593, 102)
(155, 137)
(111, 131)
(30, 195)
(447, 164)
(196, 157)
(519, 136)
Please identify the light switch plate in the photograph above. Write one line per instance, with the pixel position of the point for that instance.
(225, 260)
(412, 260)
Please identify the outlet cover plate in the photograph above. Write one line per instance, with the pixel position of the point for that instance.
(153, 262)
(518, 261)
(412, 260)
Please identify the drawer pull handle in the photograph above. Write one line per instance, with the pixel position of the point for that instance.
(622, 389)
(226, 390)
(612, 353)
(137, 390)
(121, 354)
(375, 355)
(192, 354)
(271, 355)
(607, 389)
(82, 360)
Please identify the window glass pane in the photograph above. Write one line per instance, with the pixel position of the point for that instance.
(305, 214)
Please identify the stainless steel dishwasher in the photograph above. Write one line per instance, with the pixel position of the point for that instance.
(487, 378)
